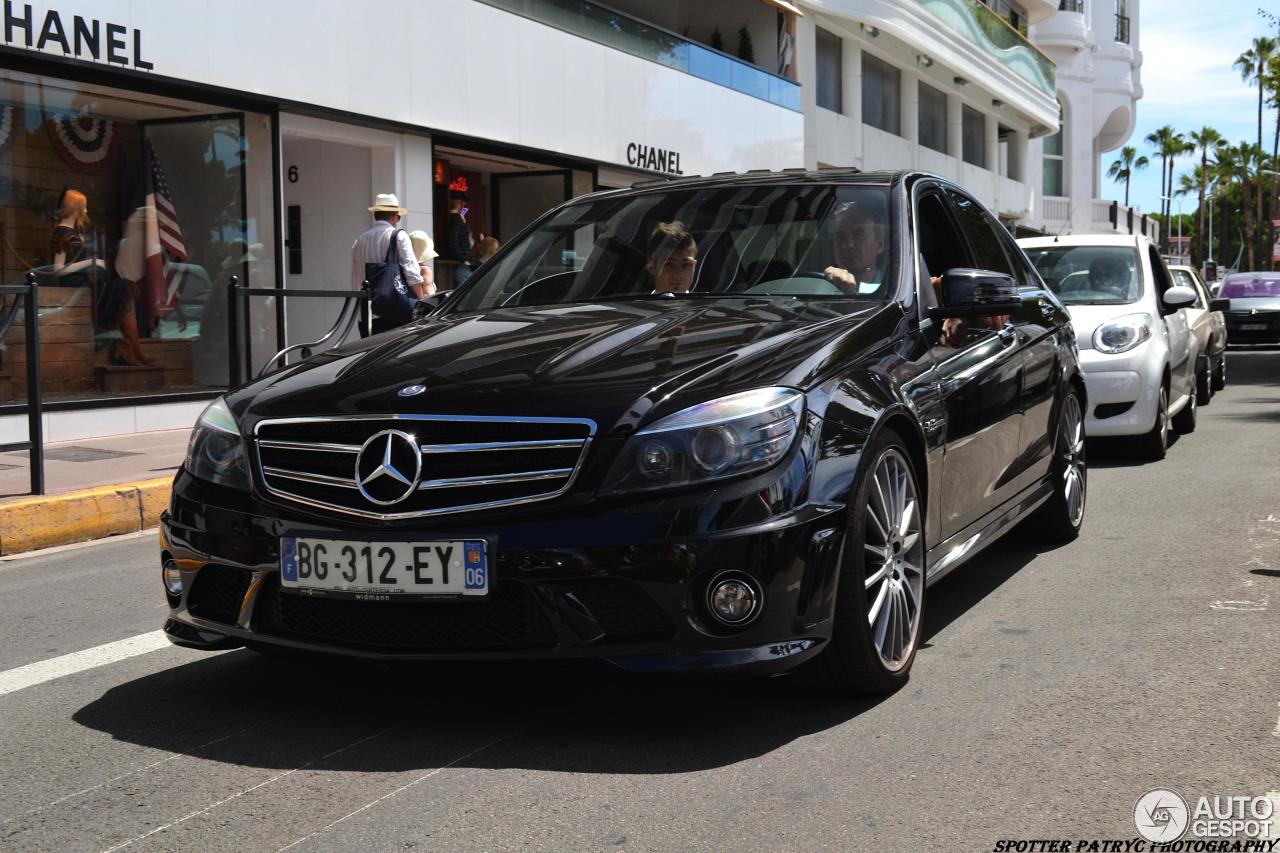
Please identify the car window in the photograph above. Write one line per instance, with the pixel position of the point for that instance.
(1089, 275)
(977, 224)
(1186, 279)
(1160, 273)
(1246, 286)
(793, 240)
(940, 244)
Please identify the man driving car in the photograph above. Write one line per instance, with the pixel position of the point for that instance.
(859, 241)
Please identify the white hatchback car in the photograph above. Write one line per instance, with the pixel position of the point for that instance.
(1136, 351)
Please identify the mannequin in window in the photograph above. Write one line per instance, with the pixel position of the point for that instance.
(117, 303)
(73, 265)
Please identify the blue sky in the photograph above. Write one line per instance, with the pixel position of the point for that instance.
(1188, 82)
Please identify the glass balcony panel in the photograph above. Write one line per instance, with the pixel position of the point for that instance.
(750, 81)
(710, 65)
(984, 27)
(655, 44)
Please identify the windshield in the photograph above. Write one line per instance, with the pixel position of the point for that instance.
(1244, 287)
(1090, 275)
(797, 241)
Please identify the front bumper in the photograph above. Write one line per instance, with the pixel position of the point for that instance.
(604, 584)
(1253, 329)
(1113, 381)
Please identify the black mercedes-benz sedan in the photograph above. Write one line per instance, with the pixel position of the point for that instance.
(739, 422)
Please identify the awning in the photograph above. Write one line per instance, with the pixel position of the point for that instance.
(783, 4)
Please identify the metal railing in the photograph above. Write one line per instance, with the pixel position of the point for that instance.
(355, 306)
(1122, 28)
(1071, 6)
(26, 295)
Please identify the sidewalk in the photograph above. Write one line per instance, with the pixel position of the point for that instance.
(94, 488)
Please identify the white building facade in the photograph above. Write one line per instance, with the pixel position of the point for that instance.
(950, 86)
(1094, 44)
(272, 125)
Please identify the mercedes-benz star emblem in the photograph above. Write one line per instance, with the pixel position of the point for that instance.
(388, 467)
(411, 390)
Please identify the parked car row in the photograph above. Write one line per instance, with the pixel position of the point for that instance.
(733, 423)
(1152, 340)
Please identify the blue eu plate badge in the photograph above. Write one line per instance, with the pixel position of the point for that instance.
(289, 559)
(475, 568)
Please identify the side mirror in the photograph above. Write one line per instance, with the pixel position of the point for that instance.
(976, 293)
(426, 307)
(1219, 304)
(1179, 296)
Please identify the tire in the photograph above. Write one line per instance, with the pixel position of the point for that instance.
(1185, 421)
(1155, 444)
(879, 609)
(1218, 380)
(1203, 390)
(1060, 518)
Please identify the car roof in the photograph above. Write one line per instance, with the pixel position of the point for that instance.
(1082, 240)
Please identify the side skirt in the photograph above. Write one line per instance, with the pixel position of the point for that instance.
(957, 550)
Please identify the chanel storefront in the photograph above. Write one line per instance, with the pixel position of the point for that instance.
(150, 151)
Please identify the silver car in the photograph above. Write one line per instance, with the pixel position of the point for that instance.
(1136, 350)
(1209, 326)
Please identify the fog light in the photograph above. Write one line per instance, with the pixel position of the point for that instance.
(734, 601)
(172, 578)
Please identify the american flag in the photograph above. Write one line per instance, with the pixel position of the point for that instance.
(165, 248)
(166, 214)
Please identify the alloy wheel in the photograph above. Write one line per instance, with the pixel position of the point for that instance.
(1071, 444)
(895, 560)
(1162, 418)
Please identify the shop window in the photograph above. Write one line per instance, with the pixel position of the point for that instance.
(880, 101)
(933, 118)
(133, 211)
(974, 136)
(830, 71)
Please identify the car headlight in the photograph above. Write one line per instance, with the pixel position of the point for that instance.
(735, 435)
(216, 451)
(1123, 333)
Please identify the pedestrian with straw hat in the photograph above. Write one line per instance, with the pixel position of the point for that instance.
(374, 245)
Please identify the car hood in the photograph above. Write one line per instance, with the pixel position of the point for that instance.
(1085, 319)
(1245, 304)
(612, 362)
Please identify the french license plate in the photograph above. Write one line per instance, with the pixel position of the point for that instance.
(458, 567)
(1253, 327)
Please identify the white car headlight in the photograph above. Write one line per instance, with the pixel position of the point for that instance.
(216, 451)
(735, 435)
(1123, 333)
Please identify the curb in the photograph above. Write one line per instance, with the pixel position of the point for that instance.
(43, 522)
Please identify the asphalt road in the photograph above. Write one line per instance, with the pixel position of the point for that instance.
(1055, 687)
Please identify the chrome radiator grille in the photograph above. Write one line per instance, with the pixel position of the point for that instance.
(467, 463)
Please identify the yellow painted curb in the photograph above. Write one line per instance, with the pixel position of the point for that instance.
(45, 521)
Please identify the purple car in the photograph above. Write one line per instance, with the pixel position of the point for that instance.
(1253, 316)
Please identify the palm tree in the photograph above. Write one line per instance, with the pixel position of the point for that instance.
(1235, 163)
(1205, 138)
(1160, 138)
(1123, 169)
(1252, 66)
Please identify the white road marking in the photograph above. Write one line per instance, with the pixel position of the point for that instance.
(250, 789)
(1276, 733)
(1240, 605)
(402, 788)
(39, 672)
(139, 770)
